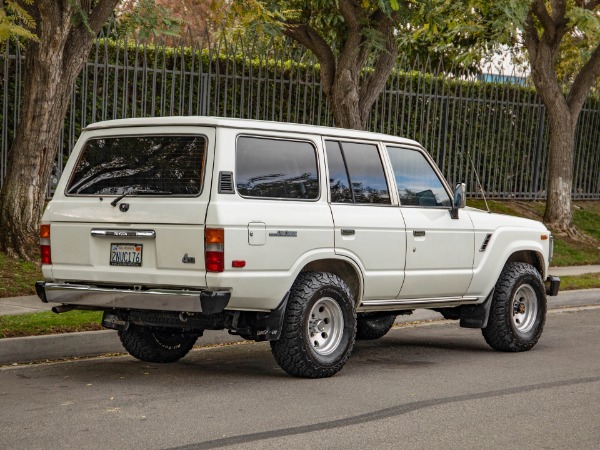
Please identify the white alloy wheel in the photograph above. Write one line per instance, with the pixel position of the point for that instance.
(524, 308)
(325, 326)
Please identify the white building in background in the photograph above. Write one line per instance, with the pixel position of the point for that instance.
(506, 65)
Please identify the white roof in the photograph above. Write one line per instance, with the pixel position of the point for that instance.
(247, 124)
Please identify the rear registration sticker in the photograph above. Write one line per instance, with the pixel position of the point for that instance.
(126, 255)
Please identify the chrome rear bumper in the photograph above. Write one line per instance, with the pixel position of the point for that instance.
(103, 297)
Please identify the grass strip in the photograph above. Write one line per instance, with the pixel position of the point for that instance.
(49, 323)
(18, 277)
(585, 281)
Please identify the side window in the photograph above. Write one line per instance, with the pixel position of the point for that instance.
(338, 176)
(356, 173)
(418, 184)
(275, 168)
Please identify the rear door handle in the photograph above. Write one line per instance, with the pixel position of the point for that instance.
(346, 232)
(418, 233)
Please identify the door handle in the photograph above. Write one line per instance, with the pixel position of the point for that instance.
(418, 233)
(346, 232)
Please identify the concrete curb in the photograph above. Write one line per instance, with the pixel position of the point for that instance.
(93, 343)
(87, 343)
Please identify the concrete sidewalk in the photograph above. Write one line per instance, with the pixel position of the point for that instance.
(91, 343)
(32, 304)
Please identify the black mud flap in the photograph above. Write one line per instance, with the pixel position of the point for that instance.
(268, 325)
(552, 286)
(476, 316)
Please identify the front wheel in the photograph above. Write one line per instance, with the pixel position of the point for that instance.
(319, 328)
(518, 310)
(156, 345)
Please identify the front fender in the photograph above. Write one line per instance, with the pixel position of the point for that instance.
(504, 243)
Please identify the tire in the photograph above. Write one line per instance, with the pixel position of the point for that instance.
(369, 328)
(319, 327)
(156, 345)
(518, 309)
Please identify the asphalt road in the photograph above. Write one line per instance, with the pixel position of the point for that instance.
(430, 386)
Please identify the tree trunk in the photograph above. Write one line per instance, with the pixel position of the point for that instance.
(51, 67)
(23, 195)
(560, 169)
(345, 99)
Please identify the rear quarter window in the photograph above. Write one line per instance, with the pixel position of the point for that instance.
(276, 168)
(153, 165)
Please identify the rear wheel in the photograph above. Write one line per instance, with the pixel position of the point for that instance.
(518, 310)
(156, 345)
(319, 328)
(369, 328)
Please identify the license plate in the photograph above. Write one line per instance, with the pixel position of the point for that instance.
(126, 255)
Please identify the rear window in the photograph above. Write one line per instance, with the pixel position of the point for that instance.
(151, 165)
(276, 168)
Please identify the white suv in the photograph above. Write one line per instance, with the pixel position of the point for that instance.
(308, 237)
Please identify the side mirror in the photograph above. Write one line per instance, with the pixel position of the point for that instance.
(460, 199)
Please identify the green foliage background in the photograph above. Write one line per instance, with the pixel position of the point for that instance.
(498, 128)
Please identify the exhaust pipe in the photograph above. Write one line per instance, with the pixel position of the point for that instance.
(62, 308)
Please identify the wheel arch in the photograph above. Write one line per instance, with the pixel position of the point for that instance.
(344, 269)
(530, 257)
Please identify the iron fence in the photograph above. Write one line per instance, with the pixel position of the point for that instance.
(496, 130)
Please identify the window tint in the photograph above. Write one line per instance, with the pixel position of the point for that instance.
(357, 165)
(153, 165)
(338, 177)
(418, 184)
(276, 168)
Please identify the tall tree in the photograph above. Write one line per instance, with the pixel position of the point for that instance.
(545, 28)
(347, 37)
(552, 32)
(66, 30)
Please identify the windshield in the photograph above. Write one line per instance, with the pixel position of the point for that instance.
(151, 165)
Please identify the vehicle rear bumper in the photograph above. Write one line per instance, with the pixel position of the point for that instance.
(103, 297)
(552, 285)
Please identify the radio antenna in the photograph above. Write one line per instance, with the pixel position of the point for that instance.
(478, 181)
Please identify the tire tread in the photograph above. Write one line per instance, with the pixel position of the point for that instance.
(290, 350)
(499, 333)
(141, 343)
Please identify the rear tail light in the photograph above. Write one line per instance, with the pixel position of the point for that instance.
(214, 249)
(45, 253)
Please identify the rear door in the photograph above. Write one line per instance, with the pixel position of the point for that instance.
(368, 228)
(132, 209)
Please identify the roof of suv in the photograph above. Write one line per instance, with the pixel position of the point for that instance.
(248, 125)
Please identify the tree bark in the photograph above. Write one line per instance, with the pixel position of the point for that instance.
(351, 93)
(563, 111)
(51, 68)
(558, 213)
